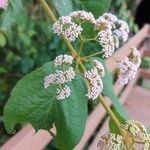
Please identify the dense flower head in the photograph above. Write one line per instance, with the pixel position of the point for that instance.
(67, 27)
(106, 40)
(135, 133)
(72, 32)
(3, 4)
(121, 30)
(127, 71)
(94, 76)
(110, 17)
(61, 76)
(63, 93)
(103, 24)
(82, 15)
(136, 129)
(99, 66)
(63, 59)
(110, 141)
(111, 31)
(136, 56)
(128, 67)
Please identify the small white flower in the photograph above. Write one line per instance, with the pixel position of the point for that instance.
(117, 32)
(83, 15)
(127, 71)
(107, 42)
(136, 55)
(65, 20)
(135, 52)
(57, 27)
(69, 29)
(99, 66)
(137, 130)
(116, 41)
(60, 77)
(102, 24)
(48, 80)
(63, 93)
(110, 17)
(95, 91)
(110, 141)
(63, 59)
(95, 82)
(124, 26)
(69, 74)
(72, 32)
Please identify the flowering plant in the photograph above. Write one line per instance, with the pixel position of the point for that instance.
(56, 95)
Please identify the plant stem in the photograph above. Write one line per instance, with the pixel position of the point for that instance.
(109, 111)
(48, 10)
(53, 18)
(92, 55)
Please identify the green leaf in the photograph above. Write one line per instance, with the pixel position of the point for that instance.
(97, 7)
(64, 7)
(30, 102)
(109, 91)
(12, 14)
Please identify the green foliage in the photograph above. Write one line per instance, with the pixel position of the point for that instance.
(30, 44)
(64, 7)
(145, 62)
(97, 7)
(109, 92)
(12, 14)
(30, 102)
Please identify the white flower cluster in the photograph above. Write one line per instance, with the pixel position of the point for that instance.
(110, 141)
(112, 32)
(63, 59)
(128, 67)
(67, 27)
(134, 129)
(83, 15)
(106, 39)
(63, 93)
(94, 77)
(61, 77)
(138, 132)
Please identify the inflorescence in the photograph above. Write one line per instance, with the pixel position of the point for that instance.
(60, 77)
(134, 130)
(94, 76)
(111, 31)
(128, 67)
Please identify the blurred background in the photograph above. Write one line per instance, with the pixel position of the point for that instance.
(30, 42)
